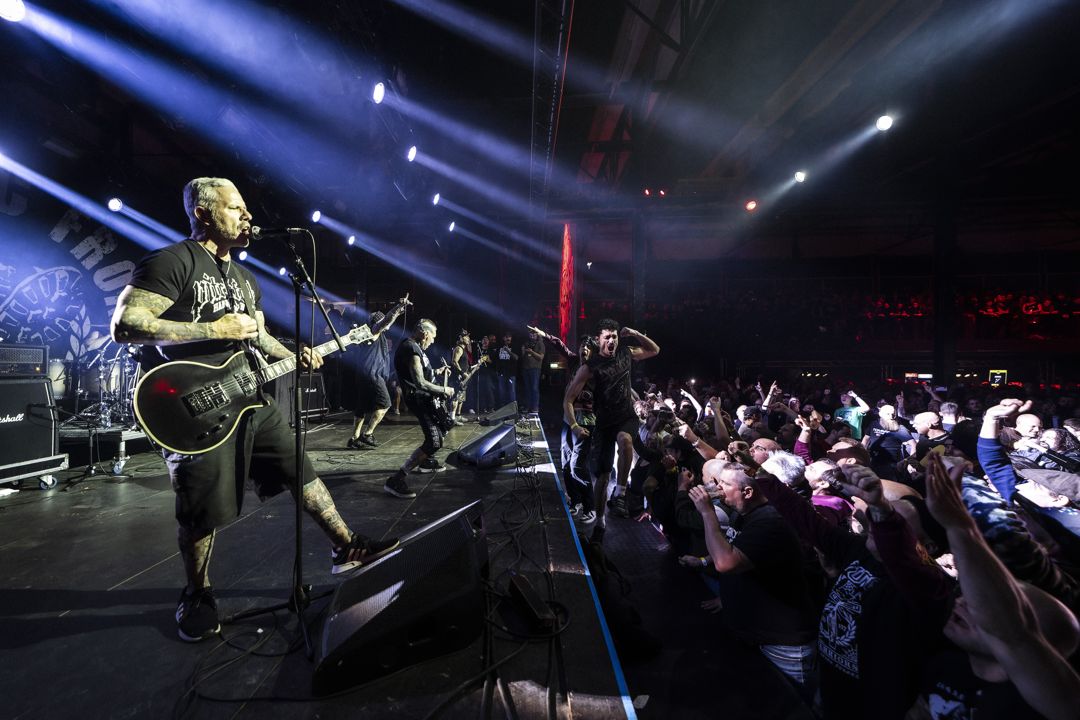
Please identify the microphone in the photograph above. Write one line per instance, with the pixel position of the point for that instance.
(259, 233)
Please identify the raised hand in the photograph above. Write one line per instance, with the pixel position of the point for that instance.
(1007, 407)
(863, 483)
(943, 495)
(700, 497)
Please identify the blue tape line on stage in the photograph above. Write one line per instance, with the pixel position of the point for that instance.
(620, 679)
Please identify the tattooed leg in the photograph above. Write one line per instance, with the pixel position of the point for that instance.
(320, 506)
(195, 549)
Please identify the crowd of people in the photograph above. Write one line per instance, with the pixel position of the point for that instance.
(895, 550)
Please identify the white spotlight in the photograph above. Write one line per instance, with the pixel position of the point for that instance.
(884, 123)
(13, 10)
(411, 155)
(800, 176)
(243, 255)
(588, 264)
(452, 226)
(378, 93)
(435, 199)
(352, 239)
(316, 216)
(115, 204)
(281, 271)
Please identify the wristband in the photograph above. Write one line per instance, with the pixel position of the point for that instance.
(574, 425)
(696, 443)
(704, 561)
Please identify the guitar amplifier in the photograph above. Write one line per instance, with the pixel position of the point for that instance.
(23, 360)
(312, 395)
(28, 425)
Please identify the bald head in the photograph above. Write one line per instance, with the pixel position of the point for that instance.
(1028, 425)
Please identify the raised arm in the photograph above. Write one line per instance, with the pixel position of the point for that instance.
(137, 319)
(647, 347)
(725, 556)
(999, 609)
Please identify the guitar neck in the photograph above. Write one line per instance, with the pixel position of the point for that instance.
(287, 365)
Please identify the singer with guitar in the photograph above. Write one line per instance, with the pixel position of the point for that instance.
(425, 399)
(189, 302)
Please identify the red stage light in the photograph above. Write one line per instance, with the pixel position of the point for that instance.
(648, 192)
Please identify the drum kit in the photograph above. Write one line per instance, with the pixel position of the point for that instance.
(98, 388)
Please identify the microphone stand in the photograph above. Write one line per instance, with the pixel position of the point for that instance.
(300, 597)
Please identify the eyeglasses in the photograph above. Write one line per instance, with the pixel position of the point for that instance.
(758, 447)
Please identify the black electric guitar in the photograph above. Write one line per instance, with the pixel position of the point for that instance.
(439, 405)
(467, 375)
(190, 407)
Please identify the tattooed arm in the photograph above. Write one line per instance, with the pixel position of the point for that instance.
(137, 319)
(270, 345)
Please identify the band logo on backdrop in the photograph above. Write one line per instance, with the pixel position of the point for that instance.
(59, 278)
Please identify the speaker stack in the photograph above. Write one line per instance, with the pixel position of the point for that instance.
(312, 395)
(28, 421)
(423, 600)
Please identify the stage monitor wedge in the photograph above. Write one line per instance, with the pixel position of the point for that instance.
(509, 411)
(496, 447)
(423, 600)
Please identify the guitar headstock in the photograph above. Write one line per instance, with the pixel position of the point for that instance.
(358, 334)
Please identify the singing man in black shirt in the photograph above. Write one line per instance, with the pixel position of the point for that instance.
(189, 301)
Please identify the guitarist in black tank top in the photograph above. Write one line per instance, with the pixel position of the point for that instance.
(189, 301)
(420, 391)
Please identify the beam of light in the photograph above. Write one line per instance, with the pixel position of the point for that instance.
(242, 39)
(503, 249)
(12, 10)
(413, 263)
(535, 245)
(214, 112)
(492, 192)
(148, 222)
(120, 224)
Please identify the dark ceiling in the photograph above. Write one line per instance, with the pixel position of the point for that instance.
(714, 101)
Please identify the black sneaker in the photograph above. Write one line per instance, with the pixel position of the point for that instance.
(352, 444)
(197, 616)
(397, 487)
(431, 465)
(618, 506)
(360, 551)
(369, 439)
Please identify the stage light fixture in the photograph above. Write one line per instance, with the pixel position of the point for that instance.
(12, 10)
(648, 192)
(751, 205)
(588, 264)
(378, 93)
(352, 239)
(435, 199)
(663, 193)
(452, 226)
(316, 216)
(800, 176)
(884, 123)
(411, 155)
(281, 271)
(243, 255)
(115, 204)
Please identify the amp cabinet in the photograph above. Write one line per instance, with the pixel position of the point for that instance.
(29, 438)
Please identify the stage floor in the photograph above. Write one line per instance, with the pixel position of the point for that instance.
(90, 578)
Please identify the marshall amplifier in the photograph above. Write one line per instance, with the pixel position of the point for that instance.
(29, 441)
(312, 395)
(23, 360)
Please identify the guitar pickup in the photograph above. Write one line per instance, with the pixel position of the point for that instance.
(205, 399)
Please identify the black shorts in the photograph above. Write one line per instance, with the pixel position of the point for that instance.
(210, 487)
(602, 449)
(371, 394)
(433, 435)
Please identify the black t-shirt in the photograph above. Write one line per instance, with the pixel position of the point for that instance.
(612, 401)
(954, 692)
(373, 359)
(771, 603)
(887, 445)
(203, 290)
(506, 361)
(403, 366)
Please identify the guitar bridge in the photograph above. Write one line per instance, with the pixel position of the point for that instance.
(206, 399)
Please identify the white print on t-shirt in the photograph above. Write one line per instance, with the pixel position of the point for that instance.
(504, 353)
(211, 296)
(839, 619)
(942, 708)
